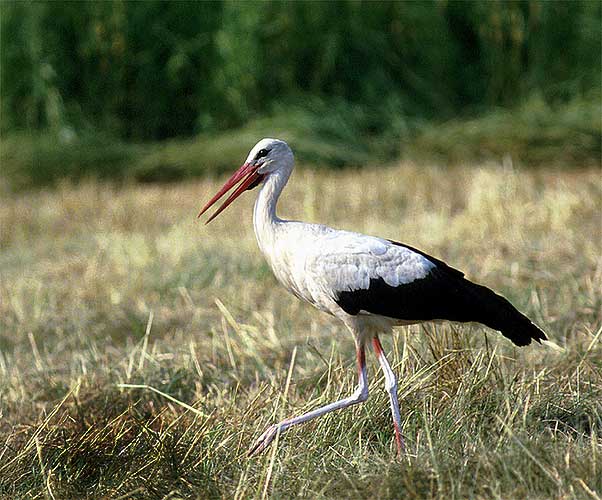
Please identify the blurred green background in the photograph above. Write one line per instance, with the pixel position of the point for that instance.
(157, 91)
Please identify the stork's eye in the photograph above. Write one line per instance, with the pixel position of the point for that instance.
(262, 153)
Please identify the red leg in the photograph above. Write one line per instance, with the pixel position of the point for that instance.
(391, 387)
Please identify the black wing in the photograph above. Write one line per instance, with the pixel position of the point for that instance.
(443, 294)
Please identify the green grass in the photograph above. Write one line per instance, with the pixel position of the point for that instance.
(534, 133)
(103, 286)
(323, 135)
(33, 161)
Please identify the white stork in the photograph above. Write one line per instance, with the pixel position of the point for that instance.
(371, 284)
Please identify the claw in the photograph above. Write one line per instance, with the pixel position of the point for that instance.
(263, 441)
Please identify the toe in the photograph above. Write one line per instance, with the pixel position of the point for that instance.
(263, 441)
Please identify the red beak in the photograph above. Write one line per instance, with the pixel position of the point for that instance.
(248, 174)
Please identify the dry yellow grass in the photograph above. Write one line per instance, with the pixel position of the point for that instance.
(102, 286)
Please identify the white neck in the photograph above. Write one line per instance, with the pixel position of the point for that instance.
(265, 219)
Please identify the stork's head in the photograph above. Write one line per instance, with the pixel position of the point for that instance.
(268, 157)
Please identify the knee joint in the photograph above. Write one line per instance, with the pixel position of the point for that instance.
(391, 385)
(361, 394)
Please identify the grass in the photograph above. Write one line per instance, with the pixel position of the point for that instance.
(534, 133)
(141, 352)
(334, 135)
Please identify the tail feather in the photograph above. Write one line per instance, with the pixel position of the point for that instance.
(498, 313)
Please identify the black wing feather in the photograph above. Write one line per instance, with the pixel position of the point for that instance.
(443, 294)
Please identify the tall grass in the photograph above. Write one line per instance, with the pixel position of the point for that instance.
(142, 353)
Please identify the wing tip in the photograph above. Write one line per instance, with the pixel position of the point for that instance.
(524, 334)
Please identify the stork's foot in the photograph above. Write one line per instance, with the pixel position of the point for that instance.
(264, 440)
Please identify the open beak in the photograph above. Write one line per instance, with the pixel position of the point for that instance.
(247, 174)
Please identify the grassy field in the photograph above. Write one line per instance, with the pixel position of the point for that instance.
(141, 353)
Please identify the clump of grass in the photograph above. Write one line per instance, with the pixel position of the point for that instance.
(46, 159)
(141, 353)
(535, 133)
